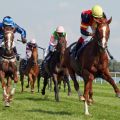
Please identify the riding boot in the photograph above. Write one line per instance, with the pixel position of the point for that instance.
(17, 56)
(48, 57)
(1, 51)
(111, 57)
(78, 45)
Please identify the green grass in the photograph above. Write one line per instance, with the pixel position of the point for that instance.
(27, 106)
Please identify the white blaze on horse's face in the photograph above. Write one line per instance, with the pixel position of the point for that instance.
(104, 36)
(9, 41)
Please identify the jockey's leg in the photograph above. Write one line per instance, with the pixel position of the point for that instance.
(1, 51)
(48, 56)
(78, 45)
(15, 51)
(80, 42)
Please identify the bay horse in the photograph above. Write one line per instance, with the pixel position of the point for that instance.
(92, 62)
(31, 70)
(48, 80)
(54, 68)
(8, 67)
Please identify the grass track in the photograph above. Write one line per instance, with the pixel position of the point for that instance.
(27, 106)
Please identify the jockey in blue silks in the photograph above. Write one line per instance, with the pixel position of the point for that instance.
(8, 21)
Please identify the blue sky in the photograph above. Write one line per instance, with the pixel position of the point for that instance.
(40, 18)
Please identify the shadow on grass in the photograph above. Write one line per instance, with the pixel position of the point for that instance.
(50, 112)
(35, 99)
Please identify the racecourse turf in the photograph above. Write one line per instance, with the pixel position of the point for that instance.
(27, 106)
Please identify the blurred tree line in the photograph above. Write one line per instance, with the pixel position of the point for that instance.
(113, 65)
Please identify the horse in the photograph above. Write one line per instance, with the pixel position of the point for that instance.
(43, 73)
(8, 67)
(92, 62)
(54, 68)
(31, 69)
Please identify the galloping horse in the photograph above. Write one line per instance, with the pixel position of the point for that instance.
(43, 73)
(8, 67)
(31, 70)
(93, 62)
(54, 68)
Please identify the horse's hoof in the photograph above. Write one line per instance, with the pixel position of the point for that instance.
(82, 98)
(90, 101)
(43, 92)
(32, 91)
(57, 100)
(69, 93)
(118, 95)
(27, 86)
(7, 104)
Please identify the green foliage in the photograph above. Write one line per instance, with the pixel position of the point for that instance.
(27, 106)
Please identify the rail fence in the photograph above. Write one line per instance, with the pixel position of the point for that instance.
(115, 76)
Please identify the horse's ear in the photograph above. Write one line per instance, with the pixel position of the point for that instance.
(109, 21)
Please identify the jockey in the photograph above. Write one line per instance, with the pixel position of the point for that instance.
(29, 45)
(59, 32)
(87, 19)
(8, 21)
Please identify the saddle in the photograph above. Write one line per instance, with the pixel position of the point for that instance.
(73, 49)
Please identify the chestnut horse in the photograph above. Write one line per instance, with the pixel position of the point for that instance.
(54, 68)
(31, 70)
(8, 67)
(93, 62)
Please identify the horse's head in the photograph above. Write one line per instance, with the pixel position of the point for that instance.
(34, 56)
(8, 38)
(102, 31)
(62, 44)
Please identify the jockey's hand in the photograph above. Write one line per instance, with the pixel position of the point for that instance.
(91, 34)
(24, 40)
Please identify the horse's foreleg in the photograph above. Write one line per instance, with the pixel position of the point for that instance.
(14, 84)
(88, 78)
(22, 82)
(38, 82)
(31, 82)
(14, 87)
(108, 78)
(8, 87)
(66, 80)
(34, 79)
(91, 94)
(2, 77)
(56, 90)
(27, 86)
(45, 82)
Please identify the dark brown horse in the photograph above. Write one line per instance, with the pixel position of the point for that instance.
(8, 67)
(31, 70)
(93, 62)
(54, 68)
(43, 73)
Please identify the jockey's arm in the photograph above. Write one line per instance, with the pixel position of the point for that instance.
(52, 41)
(21, 31)
(83, 29)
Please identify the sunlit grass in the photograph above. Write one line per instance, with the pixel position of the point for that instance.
(27, 106)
